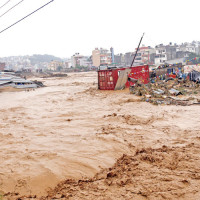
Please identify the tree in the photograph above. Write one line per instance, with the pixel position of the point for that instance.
(59, 68)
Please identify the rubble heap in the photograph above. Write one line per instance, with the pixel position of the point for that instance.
(169, 91)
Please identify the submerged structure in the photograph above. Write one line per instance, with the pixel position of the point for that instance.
(9, 79)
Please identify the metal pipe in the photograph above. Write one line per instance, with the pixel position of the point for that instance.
(137, 50)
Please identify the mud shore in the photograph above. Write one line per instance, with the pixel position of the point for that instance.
(72, 141)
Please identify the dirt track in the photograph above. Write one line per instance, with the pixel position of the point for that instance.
(96, 144)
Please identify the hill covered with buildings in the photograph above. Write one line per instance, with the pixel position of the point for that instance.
(159, 55)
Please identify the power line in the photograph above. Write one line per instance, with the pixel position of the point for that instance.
(26, 16)
(11, 8)
(5, 4)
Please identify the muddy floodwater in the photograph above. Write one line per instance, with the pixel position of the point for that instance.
(71, 141)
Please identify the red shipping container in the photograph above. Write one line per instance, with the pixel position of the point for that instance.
(140, 73)
(107, 79)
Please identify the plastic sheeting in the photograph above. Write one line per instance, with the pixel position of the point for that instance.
(190, 68)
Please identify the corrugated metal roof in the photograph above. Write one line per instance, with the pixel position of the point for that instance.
(21, 81)
(4, 82)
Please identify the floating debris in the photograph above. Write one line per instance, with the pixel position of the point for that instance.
(174, 92)
(49, 75)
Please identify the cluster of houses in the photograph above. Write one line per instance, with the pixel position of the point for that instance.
(146, 55)
(160, 55)
(19, 63)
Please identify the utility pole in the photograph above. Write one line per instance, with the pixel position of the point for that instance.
(137, 50)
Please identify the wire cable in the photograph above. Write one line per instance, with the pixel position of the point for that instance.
(26, 16)
(5, 4)
(11, 8)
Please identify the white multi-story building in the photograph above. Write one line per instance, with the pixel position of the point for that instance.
(186, 47)
(86, 61)
(68, 63)
(161, 55)
(78, 60)
(75, 59)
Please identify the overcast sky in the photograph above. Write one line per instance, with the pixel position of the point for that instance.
(68, 26)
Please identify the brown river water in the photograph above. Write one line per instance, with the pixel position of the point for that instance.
(71, 141)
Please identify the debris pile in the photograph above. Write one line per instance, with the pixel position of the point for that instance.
(50, 75)
(12, 81)
(169, 92)
(39, 83)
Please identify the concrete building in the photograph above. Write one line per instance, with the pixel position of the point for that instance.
(182, 54)
(75, 60)
(101, 57)
(85, 61)
(197, 47)
(145, 56)
(165, 52)
(187, 47)
(161, 55)
(96, 57)
(128, 58)
(55, 65)
(112, 55)
(190, 48)
(68, 63)
(119, 59)
(78, 60)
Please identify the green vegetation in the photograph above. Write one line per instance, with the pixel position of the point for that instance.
(59, 68)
